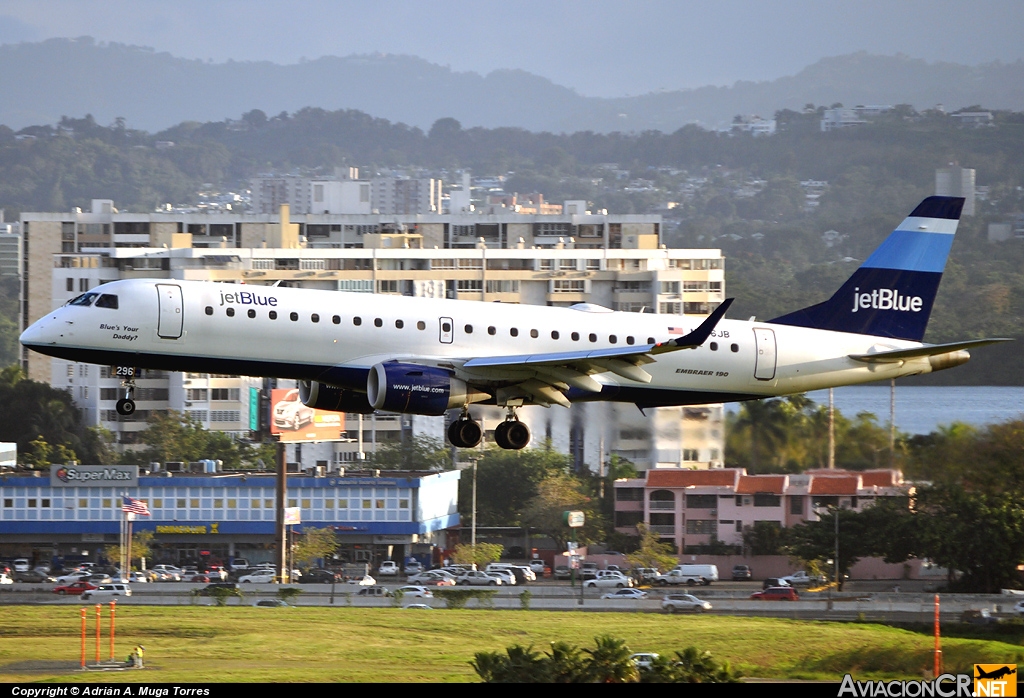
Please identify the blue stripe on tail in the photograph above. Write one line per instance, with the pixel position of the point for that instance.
(892, 293)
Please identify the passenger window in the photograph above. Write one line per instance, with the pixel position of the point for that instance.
(613, 339)
(713, 346)
(230, 312)
(446, 327)
(377, 322)
(251, 313)
(554, 334)
(107, 300)
(399, 324)
(209, 310)
(491, 330)
(357, 321)
(735, 348)
(272, 314)
(420, 325)
(629, 339)
(294, 317)
(314, 317)
(514, 332)
(650, 340)
(593, 337)
(468, 329)
(575, 336)
(336, 319)
(534, 334)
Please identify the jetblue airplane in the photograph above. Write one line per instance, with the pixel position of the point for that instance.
(354, 352)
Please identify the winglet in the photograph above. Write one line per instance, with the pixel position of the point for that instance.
(699, 335)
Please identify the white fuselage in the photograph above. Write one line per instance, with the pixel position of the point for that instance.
(337, 337)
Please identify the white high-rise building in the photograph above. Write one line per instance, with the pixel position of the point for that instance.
(556, 260)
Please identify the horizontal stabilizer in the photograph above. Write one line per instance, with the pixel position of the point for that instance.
(885, 357)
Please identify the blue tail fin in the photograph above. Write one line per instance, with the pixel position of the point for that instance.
(891, 294)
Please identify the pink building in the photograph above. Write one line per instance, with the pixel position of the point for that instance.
(694, 507)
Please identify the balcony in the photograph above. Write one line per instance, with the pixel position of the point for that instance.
(663, 530)
(662, 505)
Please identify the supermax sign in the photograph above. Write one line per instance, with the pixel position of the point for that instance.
(94, 476)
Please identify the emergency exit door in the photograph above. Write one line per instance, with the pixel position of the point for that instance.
(764, 363)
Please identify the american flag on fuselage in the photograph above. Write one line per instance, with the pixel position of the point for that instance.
(134, 506)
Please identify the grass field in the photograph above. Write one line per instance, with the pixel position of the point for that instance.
(205, 643)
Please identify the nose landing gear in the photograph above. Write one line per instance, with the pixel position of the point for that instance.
(126, 405)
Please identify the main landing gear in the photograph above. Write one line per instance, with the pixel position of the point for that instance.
(512, 434)
(126, 405)
(465, 432)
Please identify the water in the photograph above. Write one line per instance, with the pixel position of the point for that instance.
(922, 409)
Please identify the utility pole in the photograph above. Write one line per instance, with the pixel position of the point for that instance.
(831, 431)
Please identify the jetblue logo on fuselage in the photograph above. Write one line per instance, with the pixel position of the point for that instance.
(246, 298)
(886, 299)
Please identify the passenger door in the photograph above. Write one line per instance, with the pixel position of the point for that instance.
(170, 318)
(764, 362)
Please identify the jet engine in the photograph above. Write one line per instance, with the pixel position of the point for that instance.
(332, 398)
(415, 389)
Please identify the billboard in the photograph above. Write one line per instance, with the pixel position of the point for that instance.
(94, 476)
(293, 421)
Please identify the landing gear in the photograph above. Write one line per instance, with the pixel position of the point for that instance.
(512, 434)
(465, 432)
(126, 406)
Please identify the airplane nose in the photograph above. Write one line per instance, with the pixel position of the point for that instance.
(37, 333)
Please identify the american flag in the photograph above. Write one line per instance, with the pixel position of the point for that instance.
(676, 330)
(134, 506)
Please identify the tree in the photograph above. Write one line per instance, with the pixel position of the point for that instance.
(483, 553)
(816, 540)
(314, 544)
(418, 453)
(763, 538)
(506, 483)
(555, 495)
(651, 551)
(142, 547)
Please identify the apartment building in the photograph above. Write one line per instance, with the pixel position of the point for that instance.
(694, 508)
(613, 261)
(345, 193)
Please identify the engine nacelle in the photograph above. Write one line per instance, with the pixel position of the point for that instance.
(414, 389)
(332, 398)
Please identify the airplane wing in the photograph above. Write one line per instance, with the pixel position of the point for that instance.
(544, 378)
(885, 357)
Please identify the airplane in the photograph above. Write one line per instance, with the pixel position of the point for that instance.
(354, 352)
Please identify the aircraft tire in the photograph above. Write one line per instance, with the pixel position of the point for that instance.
(125, 407)
(501, 435)
(517, 434)
(465, 433)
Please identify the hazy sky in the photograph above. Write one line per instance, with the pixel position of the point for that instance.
(601, 48)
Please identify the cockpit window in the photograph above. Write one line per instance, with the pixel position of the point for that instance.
(107, 300)
(84, 299)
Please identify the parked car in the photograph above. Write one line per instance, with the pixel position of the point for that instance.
(5, 578)
(388, 568)
(420, 607)
(413, 567)
(21, 564)
(417, 592)
(319, 576)
(73, 588)
(32, 577)
(774, 582)
(106, 591)
(138, 577)
(478, 578)
(506, 576)
(538, 567)
(625, 594)
(437, 578)
(262, 576)
(66, 579)
(562, 572)
(776, 594)
(674, 603)
(645, 575)
(174, 572)
(643, 660)
(802, 579)
(373, 591)
(364, 581)
(675, 578)
(616, 579)
(742, 573)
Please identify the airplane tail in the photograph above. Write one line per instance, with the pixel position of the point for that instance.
(892, 292)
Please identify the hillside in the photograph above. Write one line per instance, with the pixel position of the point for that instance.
(43, 81)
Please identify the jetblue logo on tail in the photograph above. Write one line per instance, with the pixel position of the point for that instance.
(886, 299)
